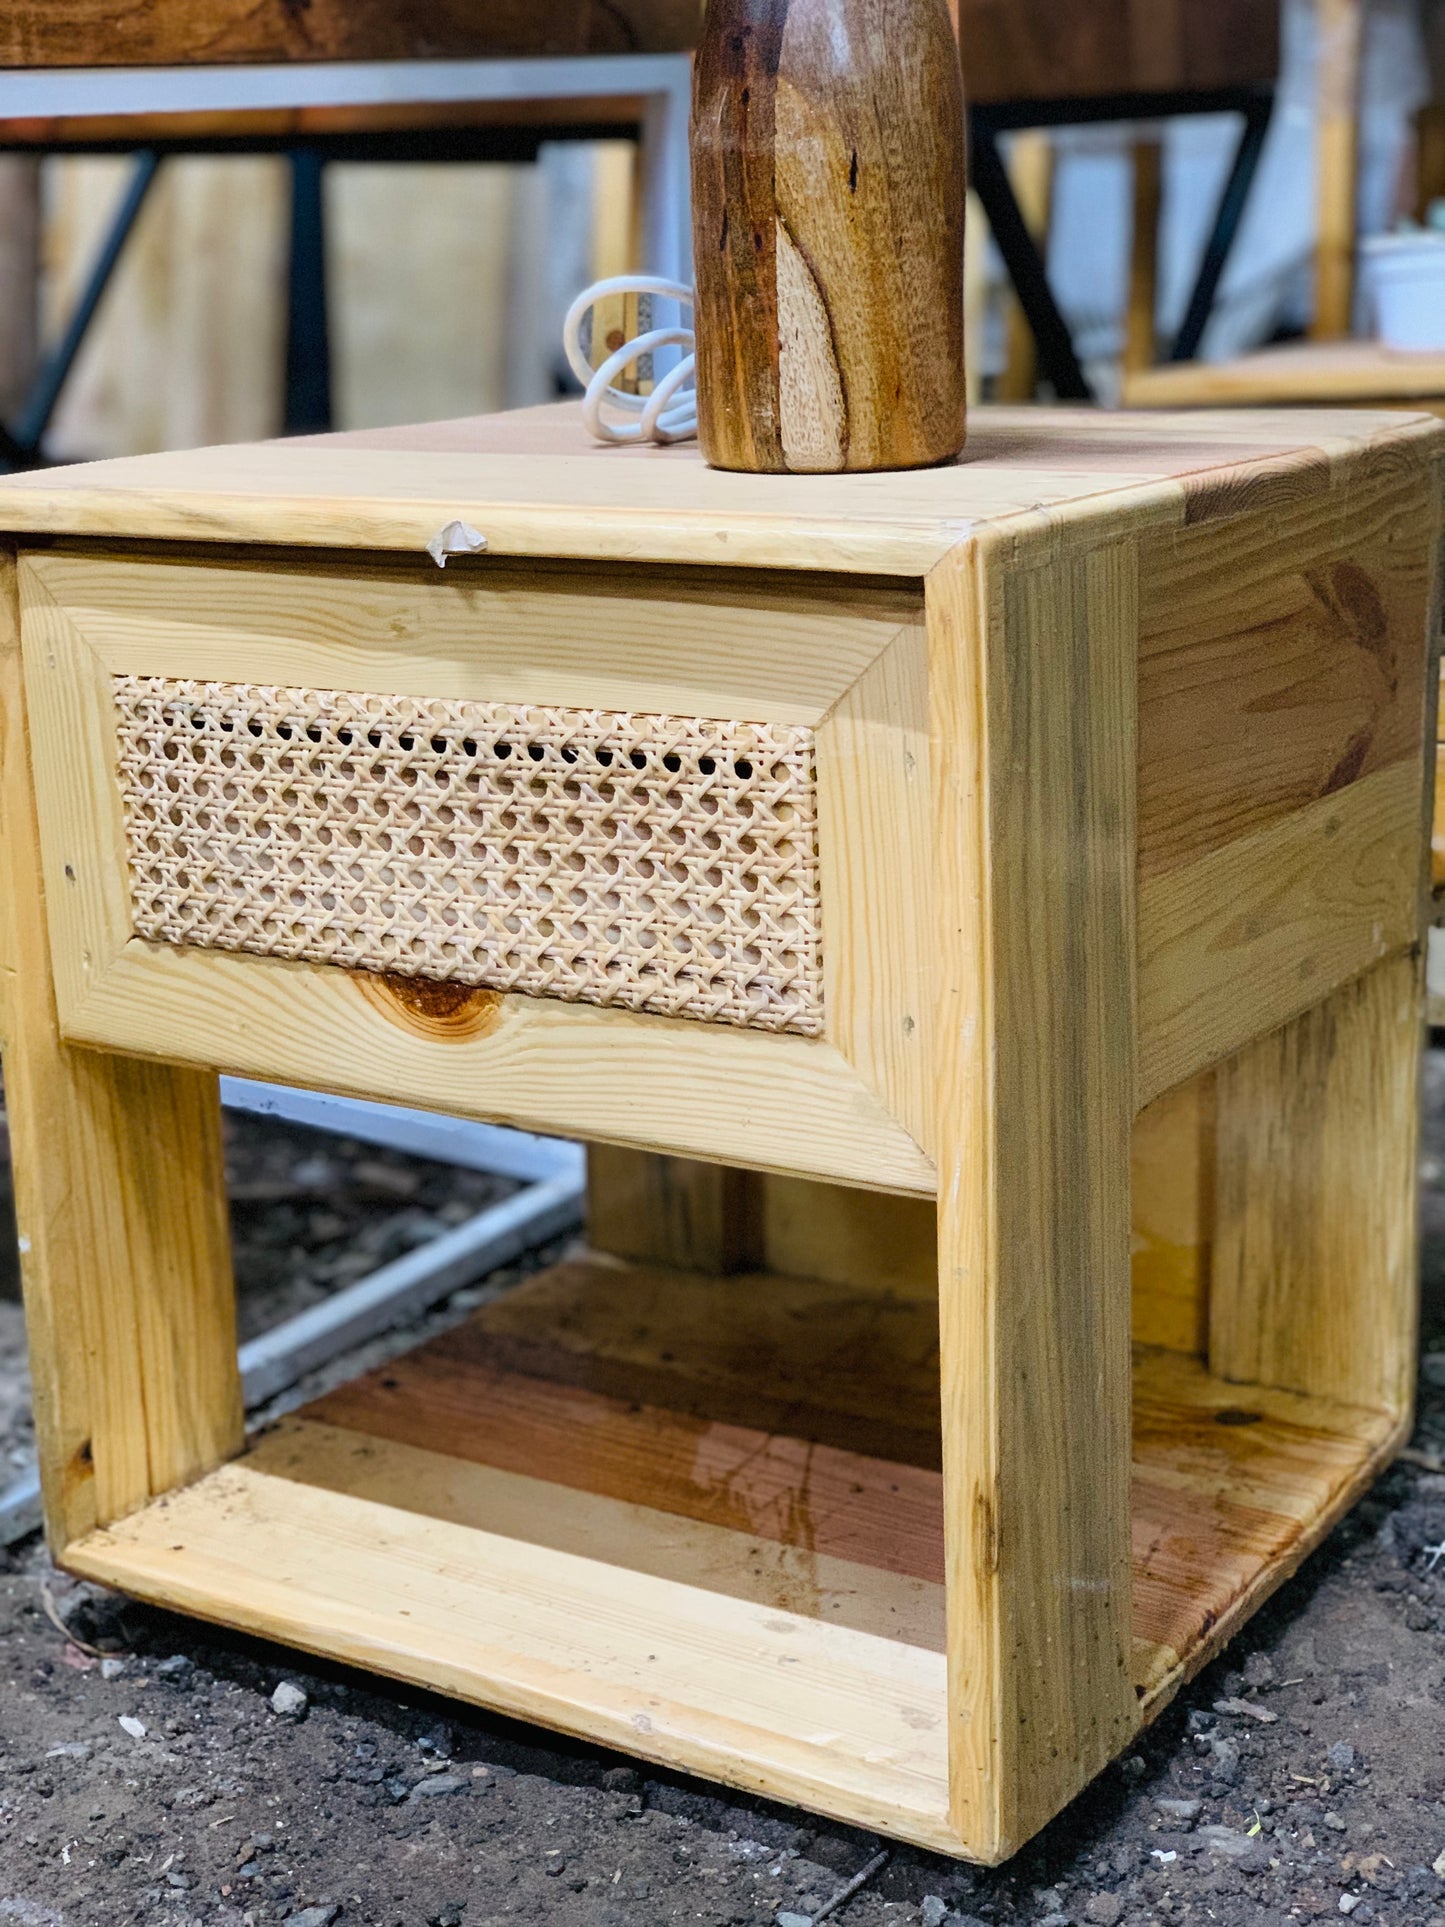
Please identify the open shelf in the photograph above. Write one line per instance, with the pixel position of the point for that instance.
(701, 1518)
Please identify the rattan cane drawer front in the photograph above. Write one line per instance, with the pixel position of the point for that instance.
(666, 864)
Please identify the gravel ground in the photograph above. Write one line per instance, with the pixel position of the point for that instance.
(153, 1773)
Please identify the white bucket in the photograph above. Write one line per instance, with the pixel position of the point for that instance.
(1407, 282)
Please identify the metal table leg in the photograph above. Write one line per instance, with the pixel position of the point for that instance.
(20, 446)
(1226, 225)
(308, 339)
(1058, 363)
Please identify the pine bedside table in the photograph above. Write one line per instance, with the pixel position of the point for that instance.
(975, 915)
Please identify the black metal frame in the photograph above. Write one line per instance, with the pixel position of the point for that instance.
(308, 355)
(1057, 357)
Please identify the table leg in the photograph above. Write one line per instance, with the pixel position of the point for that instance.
(1227, 217)
(308, 333)
(121, 1205)
(1058, 362)
(20, 447)
(1032, 761)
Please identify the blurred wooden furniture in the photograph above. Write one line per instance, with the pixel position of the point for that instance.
(1329, 368)
(886, 868)
(368, 102)
(1030, 65)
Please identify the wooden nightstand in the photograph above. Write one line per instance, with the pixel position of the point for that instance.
(909, 879)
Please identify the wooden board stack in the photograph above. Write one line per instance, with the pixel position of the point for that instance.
(831, 1471)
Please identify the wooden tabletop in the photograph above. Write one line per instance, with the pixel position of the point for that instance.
(534, 484)
(167, 33)
(1012, 49)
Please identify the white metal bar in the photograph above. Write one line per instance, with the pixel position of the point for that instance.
(40, 92)
(424, 1134)
(409, 1286)
(373, 1305)
(20, 1507)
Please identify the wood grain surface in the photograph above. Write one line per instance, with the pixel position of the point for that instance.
(828, 196)
(1037, 50)
(96, 33)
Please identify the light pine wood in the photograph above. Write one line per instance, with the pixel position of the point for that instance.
(1264, 687)
(864, 1239)
(703, 642)
(1033, 765)
(673, 1211)
(1233, 1488)
(1253, 933)
(1339, 30)
(572, 1068)
(435, 1522)
(536, 487)
(1147, 785)
(773, 1701)
(642, 1534)
(827, 211)
(120, 1202)
(873, 804)
(1331, 374)
(1172, 1185)
(1315, 1243)
(843, 1364)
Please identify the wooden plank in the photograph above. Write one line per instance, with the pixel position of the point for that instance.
(534, 485)
(788, 1490)
(171, 33)
(855, 1370)
(1339, 49)
(773, 1701)
(873, 851)
(1033, 663)
(1361, 372)
(1315, 1240)
(1172, 1182)
(568, 1069)
(120, 1200)
(673, 1211)
(703, 642)
(1233, 1487)
(863, 1239)
(1282, 678)
(1249, 935)
(757, 1565)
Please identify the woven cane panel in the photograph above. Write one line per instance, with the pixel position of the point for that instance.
(657, 863)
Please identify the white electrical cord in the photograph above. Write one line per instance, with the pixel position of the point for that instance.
(669, 413)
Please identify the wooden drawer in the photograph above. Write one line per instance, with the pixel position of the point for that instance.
(623, 850)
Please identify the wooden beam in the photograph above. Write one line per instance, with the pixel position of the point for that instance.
(673, 1211)
(121, 1205)
(1315, 1239)
(1033, 650)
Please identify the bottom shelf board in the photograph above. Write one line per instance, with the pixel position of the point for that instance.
(701, 1520)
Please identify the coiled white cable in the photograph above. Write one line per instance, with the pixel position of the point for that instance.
(669, 413)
